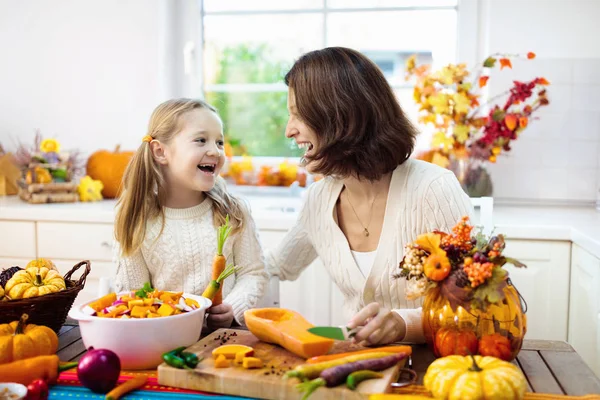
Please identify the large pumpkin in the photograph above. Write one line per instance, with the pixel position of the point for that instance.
(19, 340)
(474, 377)
(108, 167)
(33, 282)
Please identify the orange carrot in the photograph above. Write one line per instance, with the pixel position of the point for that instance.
(388, 349)
(219, 260)
(126, 387)
(215, 285)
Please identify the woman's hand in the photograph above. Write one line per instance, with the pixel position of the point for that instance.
(220, 316)
(380, 325)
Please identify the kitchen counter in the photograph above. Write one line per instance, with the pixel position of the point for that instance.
(580, 225)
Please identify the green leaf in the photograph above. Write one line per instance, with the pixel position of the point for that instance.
(489, 62)
(515, 262)
(498, 115)
(456, 296)
(143, 292)
(492, 291)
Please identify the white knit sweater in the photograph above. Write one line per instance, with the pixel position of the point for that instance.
(180, 259)
(422, 197)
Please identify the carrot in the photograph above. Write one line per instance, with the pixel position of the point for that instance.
(215, 285)
(126, 387)
(337, 375)
(219, 260)
(387, 349)
(310, 371)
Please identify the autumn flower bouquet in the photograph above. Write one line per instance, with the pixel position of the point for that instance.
(467, 290)
(465, 127)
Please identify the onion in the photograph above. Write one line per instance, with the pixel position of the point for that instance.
(99, 370)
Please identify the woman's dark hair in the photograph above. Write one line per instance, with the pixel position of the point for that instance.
(345, 99)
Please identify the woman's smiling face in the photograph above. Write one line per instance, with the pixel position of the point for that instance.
(298, 130)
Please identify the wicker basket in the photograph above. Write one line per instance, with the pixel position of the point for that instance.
(51, 309)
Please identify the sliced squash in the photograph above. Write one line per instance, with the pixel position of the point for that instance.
(221, 362)
(252, 362)
(288, 329)
(230, 351)
(103, 302)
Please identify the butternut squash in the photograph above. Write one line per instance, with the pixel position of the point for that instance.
(222, 362)
(287, 329)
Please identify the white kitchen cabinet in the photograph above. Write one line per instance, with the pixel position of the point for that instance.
(18, 239)
(584, 307)
(7, 262)
(75, 241)
(99, 269)
(544, 285)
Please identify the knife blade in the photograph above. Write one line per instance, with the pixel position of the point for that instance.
(334, 332)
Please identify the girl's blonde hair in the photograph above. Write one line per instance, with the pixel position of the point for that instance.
(144, 186)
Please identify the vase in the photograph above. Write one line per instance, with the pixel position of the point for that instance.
(498, 331)
(472, 175)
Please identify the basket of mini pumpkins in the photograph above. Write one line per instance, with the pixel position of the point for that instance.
(39, 291)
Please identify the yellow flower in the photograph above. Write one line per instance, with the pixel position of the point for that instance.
(461, 103)
(89, 189)
(411, 63)
(441, 140)
(50, 146)
(461, 133)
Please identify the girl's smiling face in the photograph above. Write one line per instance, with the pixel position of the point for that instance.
(194, 158)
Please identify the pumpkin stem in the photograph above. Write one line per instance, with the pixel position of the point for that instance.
(475, 367)
(21, 325)
(38, 280)
(117, 148)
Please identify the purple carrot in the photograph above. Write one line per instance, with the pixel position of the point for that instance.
(337, 375)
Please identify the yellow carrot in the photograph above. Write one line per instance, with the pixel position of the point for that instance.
(219, 260)
(215, 285)
(126, 387)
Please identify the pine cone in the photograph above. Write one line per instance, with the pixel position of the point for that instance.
(462, 279)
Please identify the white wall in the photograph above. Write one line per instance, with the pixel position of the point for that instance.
(556, 158)
(86, 72)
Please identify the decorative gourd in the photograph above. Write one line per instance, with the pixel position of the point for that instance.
(19, 340)
(453, 341)
(42, 175)
(7, 273)
(288, 329)
(33, 282)
(474, 377)
(495, 345)
(108, 167)
(437, 267)
(1, 293)
(41, 263)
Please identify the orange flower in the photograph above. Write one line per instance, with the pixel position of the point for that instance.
(531, 55)
(523, 122)
(483, 81)
(505, 62)
(511, 121)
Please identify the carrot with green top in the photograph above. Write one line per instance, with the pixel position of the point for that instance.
(219, 260)
(214, 286)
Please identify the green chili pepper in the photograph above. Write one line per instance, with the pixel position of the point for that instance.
(177, 351)
(175, 361)
(357, 377)
(191, 360)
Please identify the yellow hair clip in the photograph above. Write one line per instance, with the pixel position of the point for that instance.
(147, 139)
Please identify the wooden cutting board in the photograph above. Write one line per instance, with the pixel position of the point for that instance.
(265, 383)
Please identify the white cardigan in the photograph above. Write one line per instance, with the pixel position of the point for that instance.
(422, 197)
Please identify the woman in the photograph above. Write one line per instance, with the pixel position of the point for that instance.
(374, 199)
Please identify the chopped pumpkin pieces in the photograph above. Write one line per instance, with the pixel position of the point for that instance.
(252, 362)
(231, 350)
(222, 362)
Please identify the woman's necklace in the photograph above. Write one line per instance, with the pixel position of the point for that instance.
(366, 228)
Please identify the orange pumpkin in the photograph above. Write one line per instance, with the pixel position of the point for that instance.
(108, 167)
(451, 341)
(495, 345)
(437, 267)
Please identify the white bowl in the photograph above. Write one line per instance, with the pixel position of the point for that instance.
(140, 342)
(16, 389)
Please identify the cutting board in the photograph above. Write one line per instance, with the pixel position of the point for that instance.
(265, 383)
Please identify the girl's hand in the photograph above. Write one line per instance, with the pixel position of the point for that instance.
(220, 316)
(380, 325)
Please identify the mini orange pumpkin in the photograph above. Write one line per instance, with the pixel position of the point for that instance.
(108, 167)
(437, 267)
(495, 345)
(451, 341)
(19, 340)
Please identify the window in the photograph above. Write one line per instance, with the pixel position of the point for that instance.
(250, 45)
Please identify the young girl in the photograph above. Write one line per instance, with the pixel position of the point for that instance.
(172, 202)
